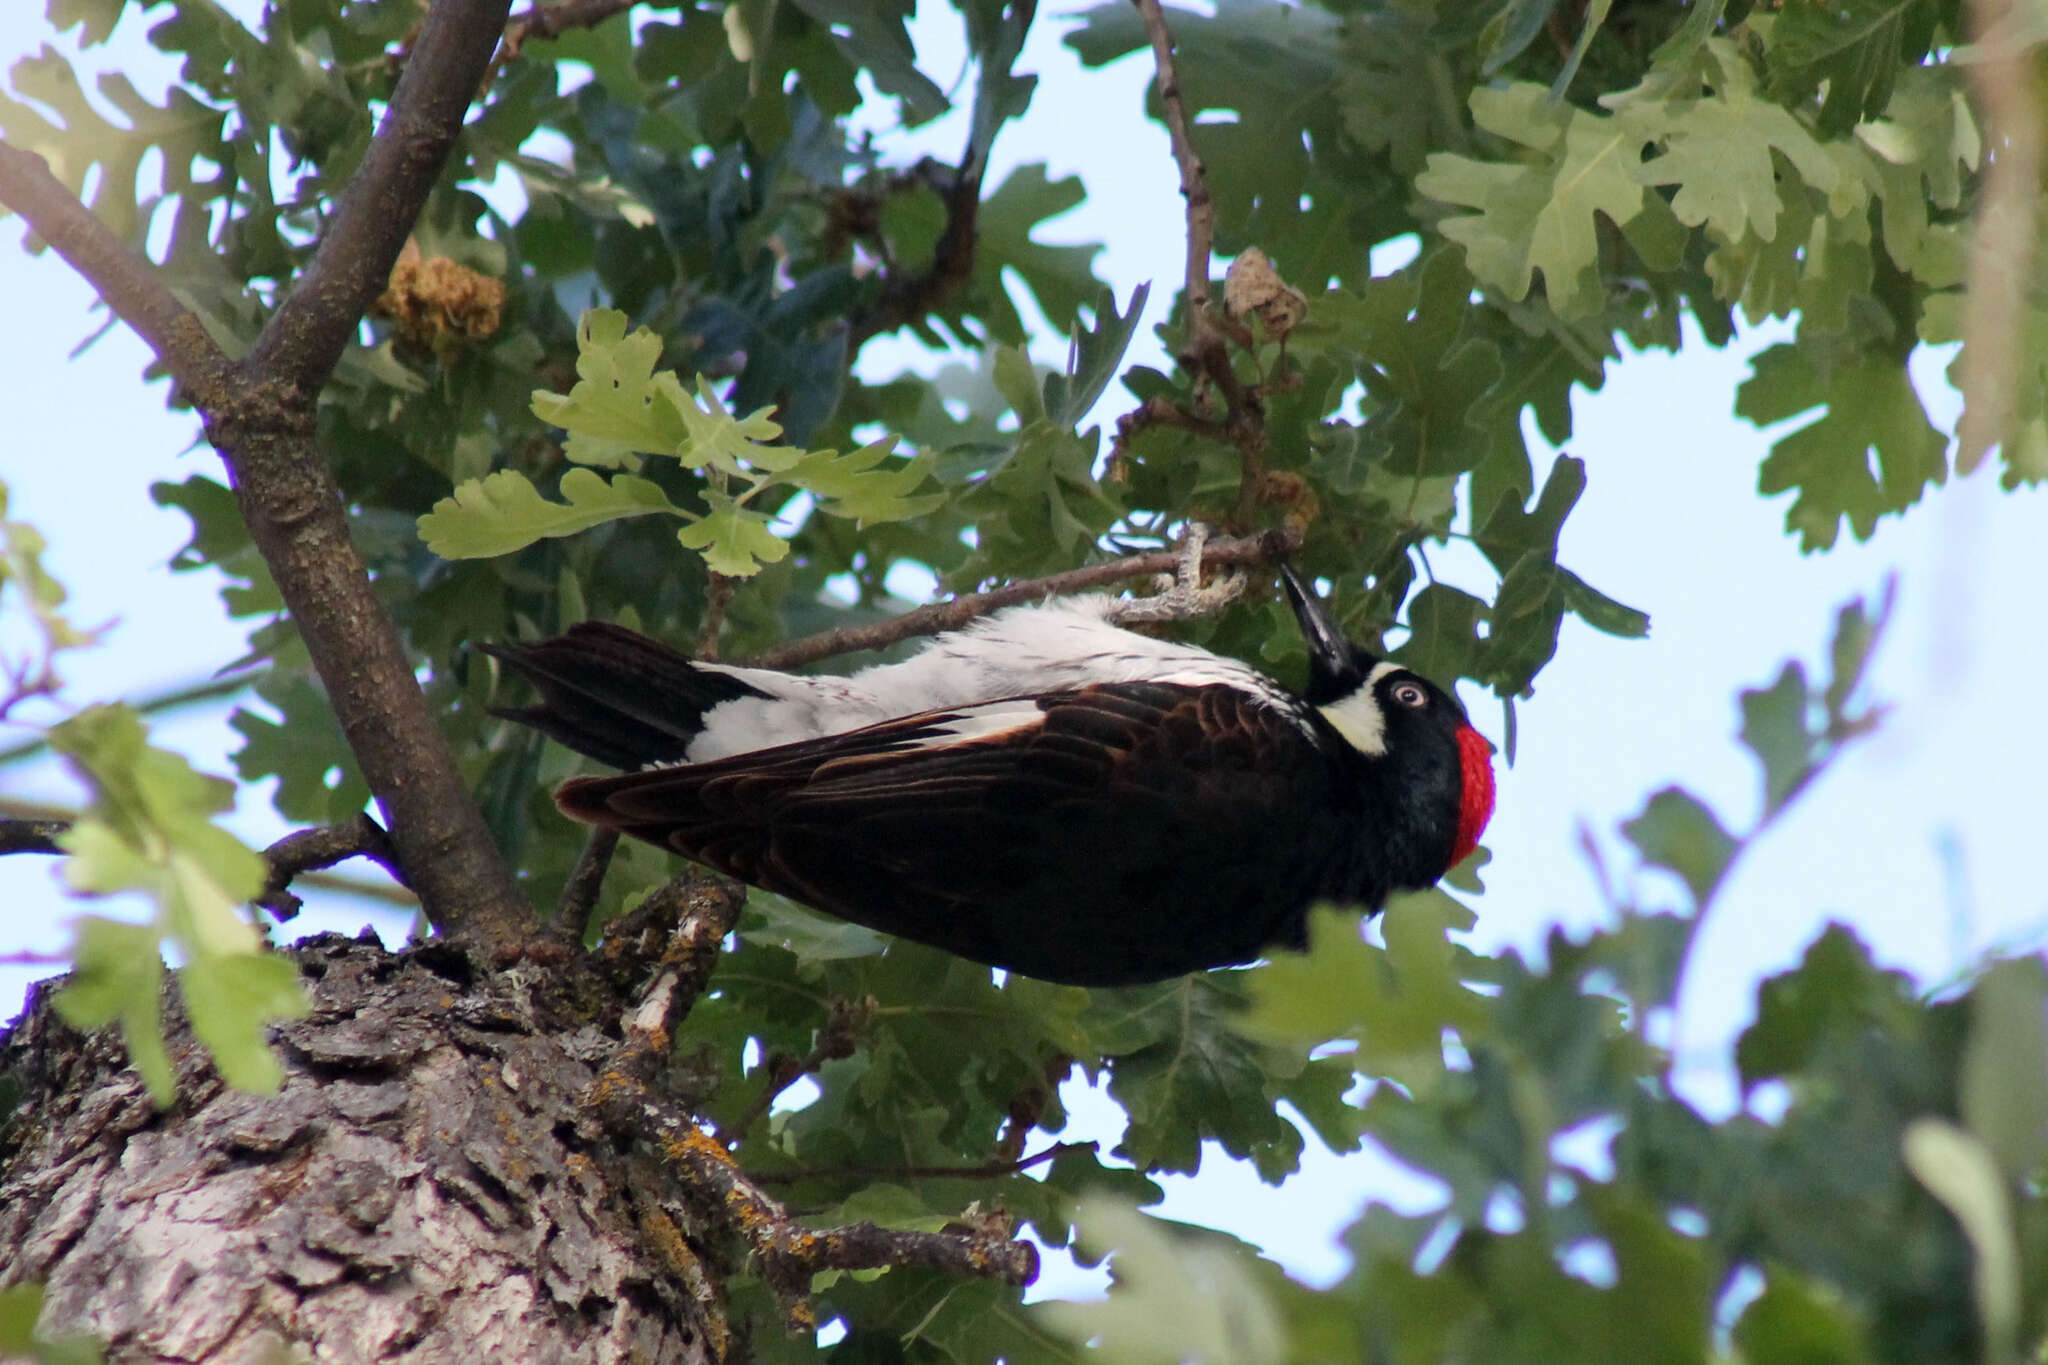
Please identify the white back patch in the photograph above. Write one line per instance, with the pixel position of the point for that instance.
(1359, 717)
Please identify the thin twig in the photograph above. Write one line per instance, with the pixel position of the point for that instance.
(1842, 730)
(552, 21)
(309, 850)
(2001, 265)
(1206, 356)
(172, 699)
(845, 1022)
(28, 957)
(1249, 551)
(31, 836)
(126, 281)
(298, 857)
(717, 597)
(586, 879)
(987, 1170)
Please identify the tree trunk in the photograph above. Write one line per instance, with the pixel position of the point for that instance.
(424, 1187)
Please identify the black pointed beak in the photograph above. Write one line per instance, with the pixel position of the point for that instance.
(1329, 653)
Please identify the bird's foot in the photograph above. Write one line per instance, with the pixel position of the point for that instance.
(1180, 596)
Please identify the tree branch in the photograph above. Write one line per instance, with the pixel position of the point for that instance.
(1249, 551)
(1206, 356)
(993, 1169)
(552, 21)
(586, 879)
(845, 1021)
(308, 850)
(290, 858)
(259, 415)
(303, 340)
(31, 836)
(906, 298)
(128, 283)
(2001, 264)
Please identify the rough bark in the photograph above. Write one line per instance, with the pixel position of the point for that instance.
(423, 1188)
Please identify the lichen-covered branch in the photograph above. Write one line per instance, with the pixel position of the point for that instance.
(628, 1100)
(1244, 552)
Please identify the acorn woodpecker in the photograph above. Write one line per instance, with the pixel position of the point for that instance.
(1041, 791)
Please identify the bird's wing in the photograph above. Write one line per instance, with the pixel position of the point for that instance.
(1112, 832)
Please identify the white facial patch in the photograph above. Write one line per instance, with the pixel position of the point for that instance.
(1359, 717)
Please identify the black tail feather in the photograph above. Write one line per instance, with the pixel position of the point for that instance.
(615, 695)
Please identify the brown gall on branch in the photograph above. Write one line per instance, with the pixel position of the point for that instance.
(304, 339)
(2002, 261)
(1245, 552)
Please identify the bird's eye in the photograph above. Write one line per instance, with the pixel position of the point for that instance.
(1411, 694)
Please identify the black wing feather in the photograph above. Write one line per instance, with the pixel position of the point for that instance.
(1135, 817)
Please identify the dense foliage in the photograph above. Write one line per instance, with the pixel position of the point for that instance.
(696, 254)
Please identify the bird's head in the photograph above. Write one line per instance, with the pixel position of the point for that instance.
(1395, 717)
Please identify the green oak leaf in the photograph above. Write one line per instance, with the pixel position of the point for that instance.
(620, 407)
(1188, 1298)
(735, 540)
(1677, 832)
(853, 486)
(1869, 407)
(503, 511)
(117, 972)
(1538, 214)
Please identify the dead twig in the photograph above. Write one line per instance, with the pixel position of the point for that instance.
(586, 879)
(308, 850)
(291, 858)
(845, 1022)
(1244, 552)
(1206, 353)
(987, 1170)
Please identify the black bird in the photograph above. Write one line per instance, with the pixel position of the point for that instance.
(1042, 791)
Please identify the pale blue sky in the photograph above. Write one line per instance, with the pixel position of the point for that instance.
(1671, 522)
